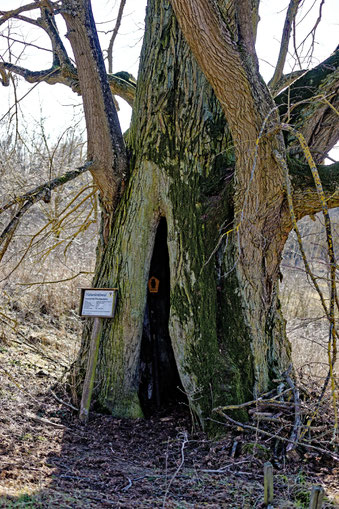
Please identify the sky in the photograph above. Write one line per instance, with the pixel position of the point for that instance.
(57, 105)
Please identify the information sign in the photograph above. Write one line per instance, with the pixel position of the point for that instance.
(99, 302)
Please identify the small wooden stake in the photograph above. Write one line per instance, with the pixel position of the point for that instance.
(317, 496)
(268, 483)
(90, 372)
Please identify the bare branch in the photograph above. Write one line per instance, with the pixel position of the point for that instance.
(285, 81)
(285, 39)
(105, 141)
(41, 192)
(25, 43)
(245, 26)
(271, 435)
(122, 83)
(6, 15)
(62, 70)
(305, 197)
(307, 86)
(51, 76)
(114, 34)
(60, 54)
(311, 104)
(26, 19)
(40, 283)
(295, 436)
(311, 34)
(37, 193)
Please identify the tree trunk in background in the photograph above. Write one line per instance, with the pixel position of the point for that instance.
(225, 325)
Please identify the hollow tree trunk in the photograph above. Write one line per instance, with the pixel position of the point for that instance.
(225, 325)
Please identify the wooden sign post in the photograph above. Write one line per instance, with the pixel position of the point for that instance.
(98, 303)
(268, 484)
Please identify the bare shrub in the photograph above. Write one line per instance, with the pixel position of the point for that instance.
(307, 326)
(49, 245)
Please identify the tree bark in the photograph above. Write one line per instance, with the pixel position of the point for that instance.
(225, 324)
(105, 145)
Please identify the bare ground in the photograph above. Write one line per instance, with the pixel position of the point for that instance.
(49, 460)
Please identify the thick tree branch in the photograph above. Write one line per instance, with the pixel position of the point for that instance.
(122, 83)
(62, 71)
(311, 105)
(292, 100)
(216, 53)
(320, 125)
(6, 15)
(230, 14)
(47, 22)
(114, 34)
(234, 80)
(285, 39)
(105, 141)
(246, 28)
(248, 108)
(305, 198)
(51, 76)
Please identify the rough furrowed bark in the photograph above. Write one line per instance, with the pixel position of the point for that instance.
(305, 197)
(258, 196)
(225, 327)
(105, 146)
(311, 105)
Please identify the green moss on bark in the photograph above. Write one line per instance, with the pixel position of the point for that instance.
(182, 168)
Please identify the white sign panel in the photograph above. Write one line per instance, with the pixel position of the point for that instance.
(98, 302)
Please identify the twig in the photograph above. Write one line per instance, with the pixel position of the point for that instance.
(271, 435)
(184, 442)
(63, 402)
(34, 283)
(332, 343)
(114, 34)
(39, 192)
(297, 420)
(45, 421)
(128, 485)
(254, 401)
(222, 469)
(5, 15)
(42, 192)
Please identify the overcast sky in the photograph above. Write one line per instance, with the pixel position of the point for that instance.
(57, 103)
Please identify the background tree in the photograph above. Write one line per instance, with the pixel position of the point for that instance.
(197, 195)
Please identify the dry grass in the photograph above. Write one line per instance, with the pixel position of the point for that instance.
(46, 249)
(307, 325)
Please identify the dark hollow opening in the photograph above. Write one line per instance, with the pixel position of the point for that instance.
(160, 387)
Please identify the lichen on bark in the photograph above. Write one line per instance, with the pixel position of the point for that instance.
(182, 168)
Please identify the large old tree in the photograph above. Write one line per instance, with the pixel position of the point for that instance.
(195, 195)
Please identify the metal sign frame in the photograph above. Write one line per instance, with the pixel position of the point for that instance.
(98, 305)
